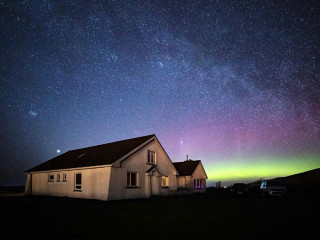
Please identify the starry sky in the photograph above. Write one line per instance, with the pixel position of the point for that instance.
(233, 83)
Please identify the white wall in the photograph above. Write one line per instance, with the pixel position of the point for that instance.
(199, 173)
(138, 163)
(181, 181)
(95, 183)
(28, 187)
(187, 182)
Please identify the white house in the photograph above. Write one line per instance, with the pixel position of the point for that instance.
(132, 168)
(192, 176)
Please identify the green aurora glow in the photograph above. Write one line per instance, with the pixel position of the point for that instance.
(253, 169)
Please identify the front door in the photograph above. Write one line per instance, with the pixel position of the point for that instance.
(155, 184)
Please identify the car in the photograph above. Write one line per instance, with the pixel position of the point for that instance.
(239, 189)
(272, 188)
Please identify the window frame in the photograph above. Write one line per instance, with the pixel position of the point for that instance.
(198, 183)
(58, 177)
(166, 178)
(77, 186)
(49, 177)
(152, 157)
(129, 180)
(64, 177)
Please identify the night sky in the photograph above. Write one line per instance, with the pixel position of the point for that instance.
(233, 83)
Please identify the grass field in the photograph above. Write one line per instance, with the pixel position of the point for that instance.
(215, 215)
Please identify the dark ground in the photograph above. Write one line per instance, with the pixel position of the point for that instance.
(212, 215)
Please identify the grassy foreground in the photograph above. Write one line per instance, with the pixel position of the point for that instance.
(212, 215)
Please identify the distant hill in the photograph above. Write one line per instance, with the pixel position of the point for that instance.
(308, 181)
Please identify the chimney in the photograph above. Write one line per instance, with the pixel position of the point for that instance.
(187, 157)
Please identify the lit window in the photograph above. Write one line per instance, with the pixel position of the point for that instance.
(78, 181)
(64, 177)
(198, 183)
(58, 177)
(50, 178)
(152, 157)
(165, 181)
(132, 179)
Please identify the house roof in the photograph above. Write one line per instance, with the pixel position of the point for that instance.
(150, 169)
(186, 168)
(92, 156)
(153, 168)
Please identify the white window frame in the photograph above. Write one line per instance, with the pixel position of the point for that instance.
(49, 177)
(152, 157)
(166, 178)
(58, 177)
(64, 177)
(198, 183)
(76, 186)
(129, 177)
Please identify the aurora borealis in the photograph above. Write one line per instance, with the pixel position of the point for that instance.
(233, 83)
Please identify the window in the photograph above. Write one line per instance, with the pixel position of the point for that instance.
(132, 179)
(198, 183)
(64, 177)
(152, 157)
(58, 177)
(50, 178)
(164, 181)
(78, 182)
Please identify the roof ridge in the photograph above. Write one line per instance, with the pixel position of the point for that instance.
(186, 168)
(152, 135)
(97, 155)
(188, 161)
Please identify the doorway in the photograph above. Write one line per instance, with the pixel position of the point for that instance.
(155, 183)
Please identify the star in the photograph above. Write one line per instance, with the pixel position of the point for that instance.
(233, 83)
(33, 113)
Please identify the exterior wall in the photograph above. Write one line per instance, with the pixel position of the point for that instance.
(28, 188)
(199, 173)
(95, 183)
(186, 183)
(138, 163)
(181, 181)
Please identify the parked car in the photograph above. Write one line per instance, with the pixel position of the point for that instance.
(239, 189)
(272, 188)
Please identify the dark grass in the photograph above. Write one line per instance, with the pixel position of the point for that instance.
(215, 215)
(11, 189)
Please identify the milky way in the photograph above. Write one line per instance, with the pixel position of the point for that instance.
(233, 83)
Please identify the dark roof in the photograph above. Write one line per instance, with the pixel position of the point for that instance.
(153, 168)
(150, 169)
(92, 156)
(186, 168)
